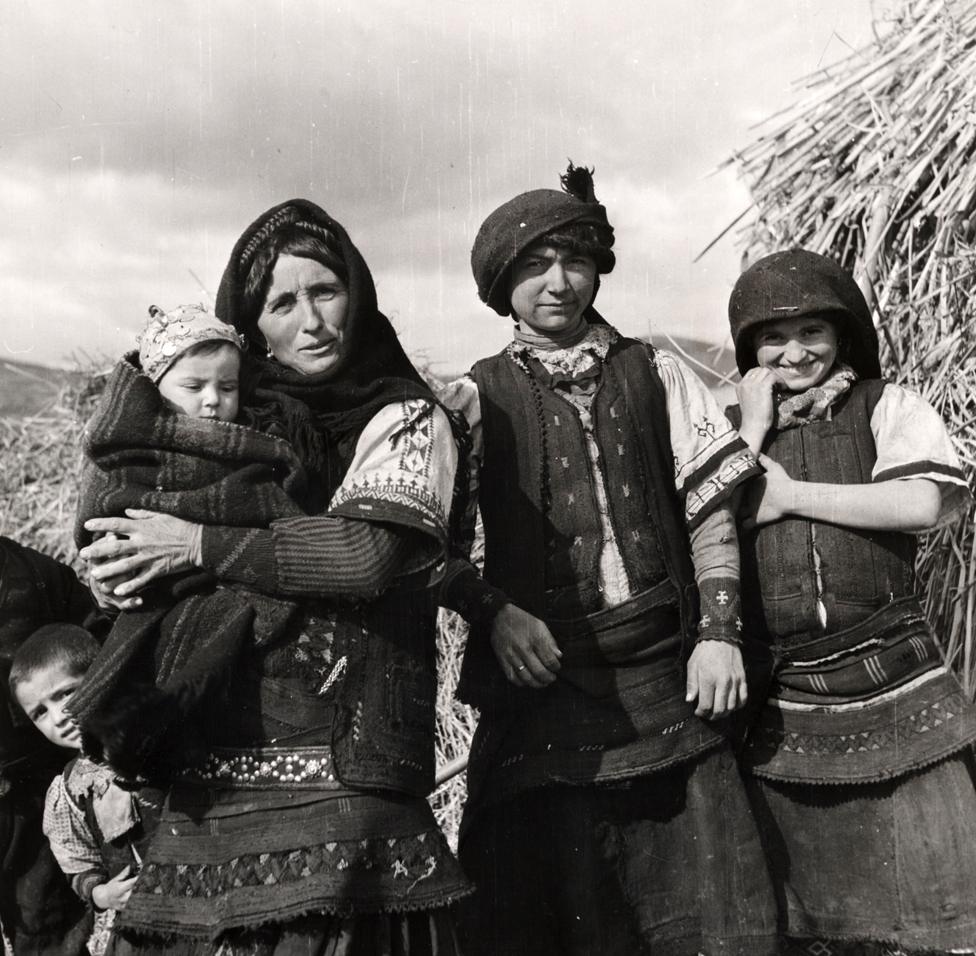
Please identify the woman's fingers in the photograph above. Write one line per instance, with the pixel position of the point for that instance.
(149, 571)
(532, 671)
(122, 526)
(526, 649)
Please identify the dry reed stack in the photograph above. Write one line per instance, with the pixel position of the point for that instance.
(876, 166)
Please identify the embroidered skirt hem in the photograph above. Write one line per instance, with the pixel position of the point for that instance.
(224, 859)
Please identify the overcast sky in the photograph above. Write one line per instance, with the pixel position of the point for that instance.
(137, 140)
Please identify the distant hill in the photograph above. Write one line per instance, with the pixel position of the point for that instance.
(715, 364)
(27, 389)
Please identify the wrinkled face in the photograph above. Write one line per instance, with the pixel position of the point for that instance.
(550, 288)
(43, 695)
(800, 351)
(304, 319)
(204, 385)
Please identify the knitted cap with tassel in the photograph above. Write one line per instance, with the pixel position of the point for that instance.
(525, 221)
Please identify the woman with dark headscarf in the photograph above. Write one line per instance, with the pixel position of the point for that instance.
(306, 829)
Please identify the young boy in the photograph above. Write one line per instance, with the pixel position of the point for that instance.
(861, 770)
(95, 828)
(38, 911)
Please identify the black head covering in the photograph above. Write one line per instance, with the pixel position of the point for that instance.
(796, 283)
(523, 221)
(375, 372)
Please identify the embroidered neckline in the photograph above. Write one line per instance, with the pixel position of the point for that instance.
(572, 360)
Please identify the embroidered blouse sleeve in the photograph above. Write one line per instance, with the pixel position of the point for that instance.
(388, 517)
(710, 459)
(462, 396)
(913, 442)
(463, 589)
(403, 469)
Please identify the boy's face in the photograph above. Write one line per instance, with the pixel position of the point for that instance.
(800, 351)
(44, 696)
(550, 288)
(204, 385)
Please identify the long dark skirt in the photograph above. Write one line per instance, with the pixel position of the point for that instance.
(412, 934)
(669, 864)
(892, 861)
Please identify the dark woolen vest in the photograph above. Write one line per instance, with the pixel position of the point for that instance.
(378, 719)
(543, 534)
(860, 570)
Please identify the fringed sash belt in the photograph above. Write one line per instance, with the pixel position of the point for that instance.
(866, 704)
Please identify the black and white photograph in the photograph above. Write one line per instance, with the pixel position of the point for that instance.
(488, 478)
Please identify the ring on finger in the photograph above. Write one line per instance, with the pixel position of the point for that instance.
(521, 667)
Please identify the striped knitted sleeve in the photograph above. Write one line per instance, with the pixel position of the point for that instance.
(322, 556)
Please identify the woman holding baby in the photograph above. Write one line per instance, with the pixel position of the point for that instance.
(301, 823)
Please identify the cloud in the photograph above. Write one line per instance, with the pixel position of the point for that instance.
(138, 140)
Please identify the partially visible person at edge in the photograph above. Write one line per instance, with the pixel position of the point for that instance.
(605, 810)
(97, 828)
(860, 764)
(39, 912)
(308, 829)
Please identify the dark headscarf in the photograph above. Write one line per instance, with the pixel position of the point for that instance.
(375, 372)
(798, 283)
(525, 220)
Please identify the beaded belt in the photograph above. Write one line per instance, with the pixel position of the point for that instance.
(266, 768)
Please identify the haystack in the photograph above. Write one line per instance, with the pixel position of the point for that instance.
(875, 166)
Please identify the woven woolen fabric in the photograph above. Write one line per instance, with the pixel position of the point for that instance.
(518, 224)
(797, 283)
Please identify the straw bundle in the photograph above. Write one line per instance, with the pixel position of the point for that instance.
(41, 471)
(876, 166)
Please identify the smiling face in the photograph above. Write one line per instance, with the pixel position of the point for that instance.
(550, 288)
(800, 351)
(305, 315)
(204, 384)
(44, 695)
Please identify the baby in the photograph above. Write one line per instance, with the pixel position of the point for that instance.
(95, 827)
(194, 360)
(170, 435)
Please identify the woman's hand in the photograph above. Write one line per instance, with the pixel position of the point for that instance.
(716, 679)
(769, 497)
(142, 547)
(115, 893)
(525, 648)
(755, 396)
(104, 593)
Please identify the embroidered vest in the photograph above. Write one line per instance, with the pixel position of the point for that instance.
(542, 525)
(859, 571)
(376, 710)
